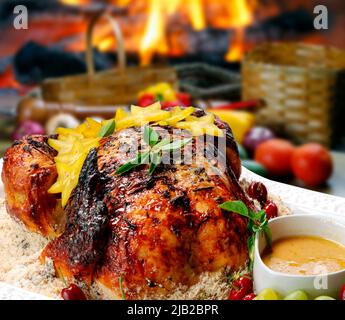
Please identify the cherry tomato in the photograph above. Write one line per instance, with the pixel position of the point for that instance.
(241, 287)
(257, 191)
(146, 99)
(271, 210)
(73, 292)
(342, 293)
(249, 296)
(312, 163)
(275, 155)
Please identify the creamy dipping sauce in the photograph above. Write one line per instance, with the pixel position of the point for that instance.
(305, 255)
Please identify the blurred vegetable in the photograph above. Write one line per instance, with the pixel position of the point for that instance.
(275, 155)
(250, 296)
(324, 298)
(255, 167)
(164, 93)
(342, 292)
(242, 152)
(267, 294)
(64, 120)
(296, 295)
(146, 99)
(27, 127)
(312, 163)
(255, 136)
(239, 121)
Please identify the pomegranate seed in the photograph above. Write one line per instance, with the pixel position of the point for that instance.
(342, 293)
(249, 296)
(72, 292)
(241, 287)
(271, 210)
(257, 191)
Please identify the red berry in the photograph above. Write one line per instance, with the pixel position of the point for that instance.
(257, 191)
(241, 287)
(146, 99)
(271, 210)
(342, 293)
(249, 296)
(73, 292)
(169, 104)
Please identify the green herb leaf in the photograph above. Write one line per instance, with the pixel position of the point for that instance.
(141, 158)
(121, 288)
(150, 136)
(237, 207)
(107, 129)
(178, 144)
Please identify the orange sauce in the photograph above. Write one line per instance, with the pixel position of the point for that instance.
(305, 255)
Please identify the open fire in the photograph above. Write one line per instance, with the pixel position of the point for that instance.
(162, 21)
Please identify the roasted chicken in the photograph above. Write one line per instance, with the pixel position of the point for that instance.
(28, 172)
(139, 235)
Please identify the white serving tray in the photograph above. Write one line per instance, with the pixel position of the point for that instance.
(293, 197)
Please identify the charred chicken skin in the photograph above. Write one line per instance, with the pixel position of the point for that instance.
(28, 172)
(147, 234)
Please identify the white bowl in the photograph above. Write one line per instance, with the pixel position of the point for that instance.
(299, 225)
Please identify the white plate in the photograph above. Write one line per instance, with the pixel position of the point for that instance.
(307, 201)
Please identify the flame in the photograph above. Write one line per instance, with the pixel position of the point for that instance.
(241, 13)
(154, 35)
(74, 2)
(196, 14)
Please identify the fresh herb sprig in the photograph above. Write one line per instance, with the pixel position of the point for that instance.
(153, 156)
(257, 222)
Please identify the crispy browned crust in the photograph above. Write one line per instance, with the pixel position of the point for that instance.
(28, 172)
(153, 232)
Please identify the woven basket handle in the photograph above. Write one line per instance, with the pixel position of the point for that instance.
(121, 54)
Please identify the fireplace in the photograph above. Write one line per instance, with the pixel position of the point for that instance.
(213, 31)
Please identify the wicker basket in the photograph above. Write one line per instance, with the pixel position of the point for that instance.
(115, 86)
(298, 83)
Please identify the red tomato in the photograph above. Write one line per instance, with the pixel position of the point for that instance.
(241, 287)
(342, 293)
(275, 155)
(312, 163)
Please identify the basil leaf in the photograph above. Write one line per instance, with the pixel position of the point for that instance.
(237, 207)
(178, 144)
(107, 129)
(150, 136)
